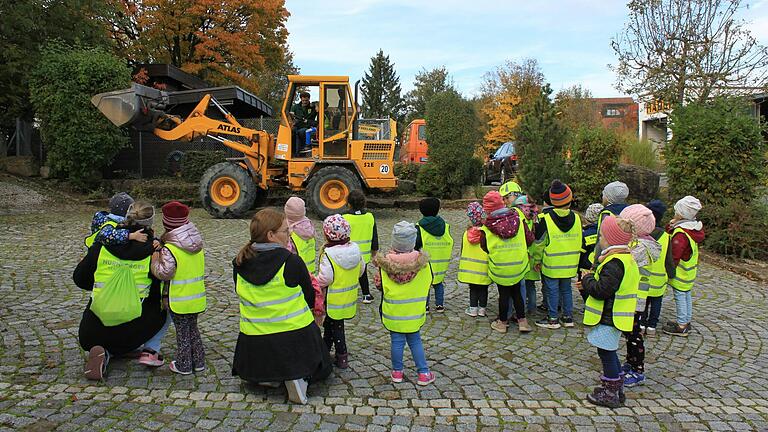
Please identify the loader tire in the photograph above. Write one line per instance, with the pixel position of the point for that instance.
(328, 189)
(227, 191)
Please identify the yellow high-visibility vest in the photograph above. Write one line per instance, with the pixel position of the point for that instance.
(403, 306)
(561, 254)
(92, 238)
(108, 263)
(685, 273)
(439, 250)
(507, 258)
(657, 272)
(186, 293)
(271, 308)
(341, 301)
(625, 298)
(306, 249)
(361, 232)
(473, 264)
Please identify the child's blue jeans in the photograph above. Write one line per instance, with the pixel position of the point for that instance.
(439, 294)
(154, 342)
(417, 350)
(654, 311)
(559, 289)
(683, 306)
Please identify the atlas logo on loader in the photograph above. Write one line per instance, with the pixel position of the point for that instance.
(324, 157)
(228, 128)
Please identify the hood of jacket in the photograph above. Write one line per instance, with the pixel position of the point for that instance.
(304, 228)
(402, 268)
(434, 225)
(563, 223)
(646, 251)
(504, 224)
(264, 266)
(186, 237)
(346, 255)
(474, 234)
(133, 250)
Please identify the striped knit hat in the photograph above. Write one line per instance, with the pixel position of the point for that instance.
(560, 194)
(175, 214)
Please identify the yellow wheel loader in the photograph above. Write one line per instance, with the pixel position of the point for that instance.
(346, 152)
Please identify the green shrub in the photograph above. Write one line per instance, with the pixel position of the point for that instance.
(407, 171)
(453, 134)
(79, 140)
(194, 163)
(737, 228)
(639, 152)
(595, 153)
(716, 153)
(540, 147)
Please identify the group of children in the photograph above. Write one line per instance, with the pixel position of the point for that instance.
(620, 255)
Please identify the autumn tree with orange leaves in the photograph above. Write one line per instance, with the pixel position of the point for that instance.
(242, 42)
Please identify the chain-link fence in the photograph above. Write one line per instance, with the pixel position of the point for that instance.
(150, 156)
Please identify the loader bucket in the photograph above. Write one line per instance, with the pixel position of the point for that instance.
(126, 107)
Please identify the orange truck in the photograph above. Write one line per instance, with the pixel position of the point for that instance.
(413, 146)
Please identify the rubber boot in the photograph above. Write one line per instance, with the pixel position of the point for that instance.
(608, 394)
(622, 395)
(342, 361)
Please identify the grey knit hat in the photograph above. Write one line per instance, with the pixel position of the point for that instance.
(593, 212)
(119, 203)
(404, 236)
(616, 192)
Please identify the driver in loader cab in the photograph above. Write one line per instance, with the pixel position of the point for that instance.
(304, 117)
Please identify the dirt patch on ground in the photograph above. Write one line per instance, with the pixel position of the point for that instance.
(19, 195)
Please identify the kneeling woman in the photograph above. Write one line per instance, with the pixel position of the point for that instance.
(124, 313)
(279, 340)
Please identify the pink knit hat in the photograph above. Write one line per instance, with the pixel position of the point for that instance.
(295, 210)
(492, 201)
(612, 232)
(642, 217)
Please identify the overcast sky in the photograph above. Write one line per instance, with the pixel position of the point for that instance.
(569, 38)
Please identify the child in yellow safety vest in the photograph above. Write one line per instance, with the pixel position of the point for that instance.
(363, 231)
(104, 224)
(473, 264)
(180, 263)
(302, 243)
(589, 235)
(530, 211)
(341, 265)
(687, 233)
(404, 277)
(610, 306)
(434, 236)
(659, 287)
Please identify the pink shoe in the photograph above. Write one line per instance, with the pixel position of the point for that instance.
(151, 359)
(174, 369)
(426, 379)
(397, 376)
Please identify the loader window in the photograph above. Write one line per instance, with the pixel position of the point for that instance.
(337, 110)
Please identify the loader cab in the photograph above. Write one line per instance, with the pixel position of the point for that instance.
(335, 114)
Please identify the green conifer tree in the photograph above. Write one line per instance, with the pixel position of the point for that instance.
(381, 89)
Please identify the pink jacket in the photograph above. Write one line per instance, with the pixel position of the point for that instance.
(186, 237)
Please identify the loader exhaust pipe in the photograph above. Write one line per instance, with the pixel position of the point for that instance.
(357, 112)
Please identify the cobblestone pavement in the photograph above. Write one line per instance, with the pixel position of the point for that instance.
(714, 379)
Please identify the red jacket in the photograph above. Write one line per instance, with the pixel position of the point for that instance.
(681, 247)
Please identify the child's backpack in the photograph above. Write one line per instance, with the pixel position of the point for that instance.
(118, 301)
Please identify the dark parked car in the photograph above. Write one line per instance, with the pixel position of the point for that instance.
(501, 165)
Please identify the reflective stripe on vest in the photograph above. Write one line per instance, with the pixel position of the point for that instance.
(590, 240)
(625, 298)
(439, 250)
(187, 291)
(507, 258)
(657, 279)
(685, 273)
(92, 238)
(341, 300)
(361, 232)
(305, 249)
(403, 306)
(271, 308)
(473, 264)
(561, 254)
(108, 263)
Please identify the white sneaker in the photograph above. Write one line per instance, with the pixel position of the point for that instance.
(297, 391)
(481, 312)
(471, 311)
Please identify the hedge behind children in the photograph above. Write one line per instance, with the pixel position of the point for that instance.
(434, 236)
(180, 264)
